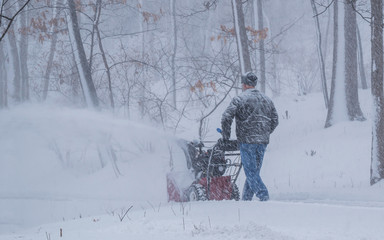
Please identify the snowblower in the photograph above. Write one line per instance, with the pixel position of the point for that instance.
(214, 172)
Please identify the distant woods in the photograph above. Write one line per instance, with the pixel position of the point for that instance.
(167, 61)
(154, 61)
(161, 61)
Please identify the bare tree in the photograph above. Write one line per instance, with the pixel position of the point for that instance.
(3, 80)
(174, 51)
(360, 59)
(344, 86)
(86, 81)
(106, 65)
(320, 53)
(18, 47)
(351, 83)
(260, 16)
(14, 56)
(241, 36)
(331, 105)
(52, 48)
(377, 155)
(23, 53)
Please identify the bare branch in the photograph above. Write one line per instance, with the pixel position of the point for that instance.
(124, 213)
(325, 8)
(367, 19)
(12, 19)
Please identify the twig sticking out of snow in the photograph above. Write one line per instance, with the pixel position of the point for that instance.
(124, 213)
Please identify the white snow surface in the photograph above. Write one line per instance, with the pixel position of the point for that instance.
(53, 179)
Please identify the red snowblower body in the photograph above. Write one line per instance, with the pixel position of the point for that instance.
(214, 169)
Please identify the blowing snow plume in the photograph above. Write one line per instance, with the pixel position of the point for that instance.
(67, 153)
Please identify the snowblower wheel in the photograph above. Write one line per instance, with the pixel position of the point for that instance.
(235, 195)
(197, 193)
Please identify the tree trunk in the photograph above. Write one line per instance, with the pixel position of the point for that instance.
(174, 52)
(331, 105)
(360, 59)
(23, 54)
(274, 82)
(92, 46)
(3, 80)
(207, 33)
(320, 53)
(255, 58)
(344, 103)
(261, 45)
(143, 80)
(351, 79)
(86, 81)
(48, 70)
(1, 12)
(52, 51)
(14, 53)
(377, 155)
(107, 68)
(241, 36)
(325, 45)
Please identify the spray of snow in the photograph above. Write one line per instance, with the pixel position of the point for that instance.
(70, 155)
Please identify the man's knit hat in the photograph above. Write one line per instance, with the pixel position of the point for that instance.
(249, 79)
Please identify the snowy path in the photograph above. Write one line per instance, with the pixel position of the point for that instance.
(225, 220)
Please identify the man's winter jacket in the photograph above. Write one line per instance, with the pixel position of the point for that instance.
(256, 117)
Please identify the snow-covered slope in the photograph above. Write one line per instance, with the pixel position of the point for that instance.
(79, 170)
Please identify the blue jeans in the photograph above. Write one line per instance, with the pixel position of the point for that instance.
(252, 159)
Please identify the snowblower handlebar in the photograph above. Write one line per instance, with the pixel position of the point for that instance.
(226, 145)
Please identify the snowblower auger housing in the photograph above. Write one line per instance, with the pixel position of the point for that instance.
(215, 170)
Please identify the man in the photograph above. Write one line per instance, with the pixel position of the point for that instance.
(256, 119)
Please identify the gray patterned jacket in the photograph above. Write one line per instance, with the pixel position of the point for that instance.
(256, 117)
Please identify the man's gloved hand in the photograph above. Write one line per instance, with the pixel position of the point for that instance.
(197, 143)
(221, 142)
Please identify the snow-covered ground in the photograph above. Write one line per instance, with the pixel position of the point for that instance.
(80, 171)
